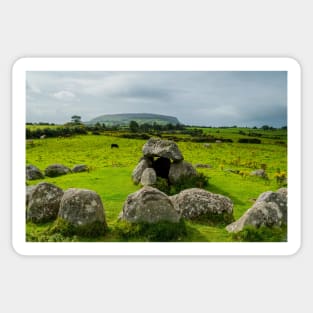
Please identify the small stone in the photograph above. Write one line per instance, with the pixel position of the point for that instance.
(33, 172)
(148, 177)
(80, 168)
(56, 170)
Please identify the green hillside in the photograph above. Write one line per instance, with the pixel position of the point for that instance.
(140, 118)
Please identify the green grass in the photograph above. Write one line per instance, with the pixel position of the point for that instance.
(110, 172)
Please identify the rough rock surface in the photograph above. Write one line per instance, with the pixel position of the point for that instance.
(43, 203)
(179, 170)
(196, 203)
(56, 170)
(149, 205)
(81, 207)
(155, 147)
(283, 191)
(29, 190)
(148, 177)
(32, 172)
(141, 166)
(80, 168)
(259, 173)
(270, 209)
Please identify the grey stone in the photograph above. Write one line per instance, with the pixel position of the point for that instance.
(199, 165)
(32, 173)
(141, 166)
(179, 170)
(148, 177)
(149, 205)
(155, 147)
(56, 170)
(270, 209)
(196, 203)
(80, 168)
(260, 173)
(81, 207)
(283, 191)
(43, 202)
(29, 190)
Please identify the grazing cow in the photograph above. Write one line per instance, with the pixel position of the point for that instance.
(114, 145)
(43, 137)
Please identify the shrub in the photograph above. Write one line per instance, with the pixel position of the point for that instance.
(159, 232)
(66, 229)
(261, 234)
(249, 140)
(198, 181)
(162, 184)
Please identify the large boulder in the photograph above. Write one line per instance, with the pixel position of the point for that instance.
(283, 191)
(155, 147)
(199, 204)
(56, 170)
(179, 170)
(82, 208)
(29, 190)
(270, 209)
(148, 177)
(43, 202)
(80, 168)
(32, 173)
(149, 205)
(139, 169)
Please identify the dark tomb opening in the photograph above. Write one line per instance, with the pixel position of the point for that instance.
(162, 167)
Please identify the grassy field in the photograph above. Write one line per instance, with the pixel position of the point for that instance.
(110, 172)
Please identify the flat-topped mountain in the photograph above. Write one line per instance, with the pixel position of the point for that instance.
(140, 118)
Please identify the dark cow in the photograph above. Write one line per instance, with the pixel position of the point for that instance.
(114, 145)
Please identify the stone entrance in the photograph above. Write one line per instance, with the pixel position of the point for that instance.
(162, 167)
(165, 158)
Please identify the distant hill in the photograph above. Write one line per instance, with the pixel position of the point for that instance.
(140, 118)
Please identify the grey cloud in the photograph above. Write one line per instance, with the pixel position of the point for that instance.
(199, 98)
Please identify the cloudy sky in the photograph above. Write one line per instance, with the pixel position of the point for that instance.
(195, 98)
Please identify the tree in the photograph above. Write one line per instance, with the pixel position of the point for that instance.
(133, 126)
(76, 119)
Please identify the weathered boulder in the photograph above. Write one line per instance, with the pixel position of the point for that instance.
(155, 147)
(141, 166)
(43, 202)
(260, 173)
(149, 205)
(148, 177)
(32, 172)
(56, 170)
(82, 207)
(80, 168)
(179, 170)
(270, 209)
(29, 190)
(279, 198)
(283, 191)
(199, 204)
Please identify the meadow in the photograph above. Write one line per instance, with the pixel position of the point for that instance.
(110, 172)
